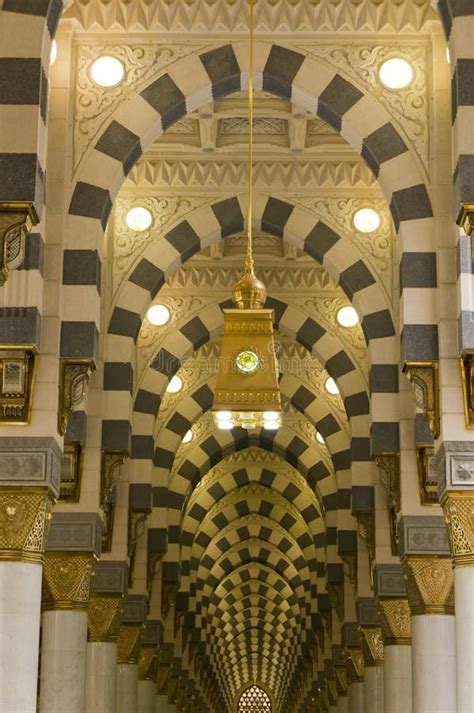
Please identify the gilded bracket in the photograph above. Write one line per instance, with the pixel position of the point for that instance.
(136, 527)
(71, 472)
(428, 485)
(389, 464)
(73, 377)
(466, 365)
(111, 466)
(366, 530)
(17, 373)
(16, 221)
(424, 377)
(465, 218)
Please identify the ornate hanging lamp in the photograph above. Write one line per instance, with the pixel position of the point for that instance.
(247, 393)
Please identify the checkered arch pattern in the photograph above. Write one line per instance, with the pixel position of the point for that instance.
(361, 120)
(28, 29)
(457, 17)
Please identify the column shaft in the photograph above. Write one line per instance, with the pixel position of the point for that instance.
(63, 661)
(101, 677)
(146, 697)
(373, 689)
(464, 598)
(356, 697)
(397, 679)
(434, 663)
(127, 688)
(20, 604)
(343, 704)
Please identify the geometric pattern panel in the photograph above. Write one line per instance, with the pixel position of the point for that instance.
(254, 700)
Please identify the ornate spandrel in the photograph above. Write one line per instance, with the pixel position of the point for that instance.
(16, 222)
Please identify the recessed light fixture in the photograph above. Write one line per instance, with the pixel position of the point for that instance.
(366, 220)
(271, 425)
(107, 71)
(396, 73)
(225, 425)
(319, 438)
(331, 386)
(139, 219)
(347, 317)
(158, 315)
(175, 385)
(188, 436)
(54, 53)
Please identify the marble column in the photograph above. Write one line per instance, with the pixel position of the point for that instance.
(428, 569)
(146, 697)
(355, 667)
(372, 649)
(29, 482)
(147, 666)
(109, 586)
(72, 547)
(456, 494)
(340, 677)
(129, 643)
(395, 618)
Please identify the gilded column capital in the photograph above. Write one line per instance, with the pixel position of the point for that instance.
(372, 645)
(430, 585)
(25, 513)
(29, 484)
(66, 580)
(72, 547)
(395, 619)
(355, 664)
(109, 586)
(466, 218)
(129, 642)
(105, 612)
(427, 564)
(392, 600)
(16, 221)
(458, 508)
(148, 659)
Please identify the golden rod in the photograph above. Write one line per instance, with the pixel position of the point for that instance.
(249, 266)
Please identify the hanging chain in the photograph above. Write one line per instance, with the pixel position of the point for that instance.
(249, 266)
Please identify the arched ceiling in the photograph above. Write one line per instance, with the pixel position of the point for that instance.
(253, 522)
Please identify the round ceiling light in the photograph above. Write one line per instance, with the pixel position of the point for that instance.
(158, 315)
(270, 425)
(396, 73)
(366, 220)
(54, 53)
(223, 416)
(107, 71)
(188, 436)
(331, 386)
(175, 385)
(139, 219)
(225, 425)
(319, 438)
(347, 317)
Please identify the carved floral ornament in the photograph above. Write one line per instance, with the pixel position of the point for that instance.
(24, 520)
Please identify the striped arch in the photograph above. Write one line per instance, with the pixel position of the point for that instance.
(274, 503)
(458, 22)
(174, 350)
(334, 252)
(233, 591)
(197, 79)
(27, 30)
